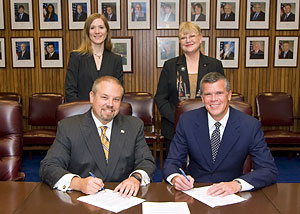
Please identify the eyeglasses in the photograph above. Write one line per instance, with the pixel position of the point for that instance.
(188, 37)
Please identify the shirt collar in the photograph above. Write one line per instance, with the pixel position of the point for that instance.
(223, 121)
(98, 123)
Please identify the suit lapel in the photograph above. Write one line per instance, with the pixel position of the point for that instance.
(201, 134)
(116, 144)
(181, 63)
(230, 137)
(93, 142)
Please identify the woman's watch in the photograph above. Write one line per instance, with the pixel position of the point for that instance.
(137, 177)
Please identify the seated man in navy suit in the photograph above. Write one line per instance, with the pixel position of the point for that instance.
(217, 139)
(99, 146)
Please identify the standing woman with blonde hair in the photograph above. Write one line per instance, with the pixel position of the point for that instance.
(92, 59)
(180, 76)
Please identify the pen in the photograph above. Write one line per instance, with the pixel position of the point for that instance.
(182, 172)
(91, 174)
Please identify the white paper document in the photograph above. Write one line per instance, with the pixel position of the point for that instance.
(165, 208)
(111, 201)
(201, 195)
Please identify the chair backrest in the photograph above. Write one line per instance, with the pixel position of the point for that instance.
(237, 96)
(10, 139)
(11, 96)
(142, 104)
(275, 108)
(191, 104)
(42, 108)
(80, 107)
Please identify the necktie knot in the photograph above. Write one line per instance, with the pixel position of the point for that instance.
(103, 129)
(217, 124)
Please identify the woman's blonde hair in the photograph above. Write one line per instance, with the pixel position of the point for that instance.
(85, 46)
(188, 27)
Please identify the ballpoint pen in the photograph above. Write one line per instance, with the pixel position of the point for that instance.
(182, 172)
(91, 174)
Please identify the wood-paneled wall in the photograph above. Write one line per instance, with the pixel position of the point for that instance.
(247, 81)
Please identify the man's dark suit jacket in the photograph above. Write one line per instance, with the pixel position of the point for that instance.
(77, 149)
(230, 18)
(166, 96)
(25, 56)
(200, 18)
(113, 17)
(171, 17)
(82, 72)
(141, 17)
(290, 18)
(260, 17)
(242, 136)
(289, 55)
(54, 56)
(25, 17)
(229, 56)
(82, 18)
(258, 55)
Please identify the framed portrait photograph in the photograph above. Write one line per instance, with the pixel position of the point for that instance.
(258, 13)
(166, 48)
(111, 10)
(198, 11)
(79, 10)
(1, 15)
(138, 14)
(228, 13)
(204, 47)
(22, 52)
(21, 14)
(51, 52)
(227, 50)
(50, 14)
(2, 53)
(286, 51)
(257, 51)
(287, 15)
(123, 47)
(167, 12)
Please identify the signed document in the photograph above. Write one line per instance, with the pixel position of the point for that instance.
(111, 201)
(201, 195)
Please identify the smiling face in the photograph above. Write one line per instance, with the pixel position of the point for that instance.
(23, 47)
(257, 8)
(106, 100)
(50, 48)
(287, 9)
(79, 8)
(285, 46)
(97, 32)
(216, 98)
(109, 10)
(190, 42)
(50, 9)
(227, 8)
(138, 7)
(198, 10)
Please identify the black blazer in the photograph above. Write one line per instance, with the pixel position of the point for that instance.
(166, 96)
(54, 56)
(230, 18)
(290, 18)
(82, 18)
(289, 55)
(82, 72)
(260, 17)
(258, 55)
(200, 18)
(113, 17)
(25, 17)
(77, 149)
(25, 56)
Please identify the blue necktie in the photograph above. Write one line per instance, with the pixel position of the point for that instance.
(215, 141)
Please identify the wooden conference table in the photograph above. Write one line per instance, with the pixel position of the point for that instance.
(30, 197)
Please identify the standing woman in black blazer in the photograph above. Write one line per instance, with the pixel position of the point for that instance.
(180, 76)
(92, 59)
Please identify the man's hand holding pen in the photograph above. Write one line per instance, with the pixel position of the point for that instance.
(183, 181)
(87, 185)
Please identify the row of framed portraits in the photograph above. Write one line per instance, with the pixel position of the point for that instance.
(227, 50)
(167, 11)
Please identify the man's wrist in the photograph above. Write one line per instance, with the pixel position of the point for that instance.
(137, 177)
(239, 183)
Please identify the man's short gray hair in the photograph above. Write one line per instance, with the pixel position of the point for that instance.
(214, 77)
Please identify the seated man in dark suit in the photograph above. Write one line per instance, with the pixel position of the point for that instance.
(288, 16)
(256, 53)
(286, 53)
(110, 145)
(21, 16)
(217, 139)
(52, 54)
(228, 15)
(110, 15)
(258, 14)
(80, 15)
(23, 54)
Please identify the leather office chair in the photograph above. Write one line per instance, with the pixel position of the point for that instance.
(11, 131)
(80, 107)
(143, 107)
(275, 110)
(237, 96)
(11, 96)
(42, 121)
(191, 104)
